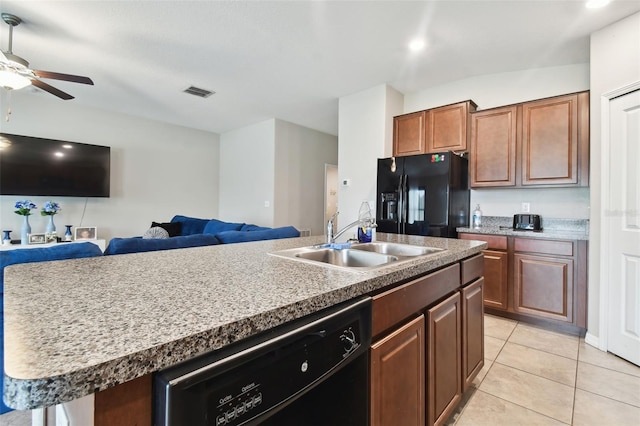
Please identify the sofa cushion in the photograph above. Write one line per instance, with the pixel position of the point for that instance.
(139, 244)
(249, 227)
(215, 226)
(173, 228)
(229, 237)
(190, 225)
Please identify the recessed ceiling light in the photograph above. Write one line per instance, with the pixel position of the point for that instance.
(58, 154)
(67, 146)
(595, 4)
(416, 45)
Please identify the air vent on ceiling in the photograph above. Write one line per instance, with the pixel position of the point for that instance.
(196, 91)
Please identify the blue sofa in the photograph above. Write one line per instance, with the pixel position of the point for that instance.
(187, 231)
(13, 257)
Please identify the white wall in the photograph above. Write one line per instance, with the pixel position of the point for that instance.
(300, 157)
(489, 91)
(615, 63)
(247, 174)
(365, 132)
(157, 170)
(272, 174)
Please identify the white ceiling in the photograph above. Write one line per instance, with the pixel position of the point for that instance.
(290, 60)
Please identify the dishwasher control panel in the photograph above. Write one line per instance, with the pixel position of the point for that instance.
(262, 384)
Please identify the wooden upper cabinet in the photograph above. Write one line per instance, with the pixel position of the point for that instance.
(550, 141)
(448, 127)
(533, 144)
(492, 159)
(409, 134)
(439, 129)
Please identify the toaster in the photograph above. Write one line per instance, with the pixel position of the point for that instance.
(527, 222)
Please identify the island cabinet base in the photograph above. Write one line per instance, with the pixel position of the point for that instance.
(428, 345)
(127, 404)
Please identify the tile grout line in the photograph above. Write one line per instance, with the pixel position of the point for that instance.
(575, 384)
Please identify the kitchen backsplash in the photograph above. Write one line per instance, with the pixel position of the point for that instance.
(578, 225)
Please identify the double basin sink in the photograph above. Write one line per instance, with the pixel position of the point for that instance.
(361, 256)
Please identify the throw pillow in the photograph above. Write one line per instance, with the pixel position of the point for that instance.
(173, 228)
(156, 232)
(215, 226)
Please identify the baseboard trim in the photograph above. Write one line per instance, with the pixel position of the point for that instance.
(592, 340)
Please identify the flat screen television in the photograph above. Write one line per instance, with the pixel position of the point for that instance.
(47, 167)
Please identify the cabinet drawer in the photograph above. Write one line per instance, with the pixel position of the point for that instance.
(559, 248)
(495, 242)
(471, 269)
(393, 306)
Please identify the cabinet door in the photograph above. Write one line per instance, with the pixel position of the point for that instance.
(447, 127)
(444, 358)
(472, 332)
(397, 376)
(550, 141)
(496, 276)
(543, 286)
(408, 134)
(492, 159)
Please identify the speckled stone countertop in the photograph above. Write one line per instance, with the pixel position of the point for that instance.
(555, 229)
(79, 326)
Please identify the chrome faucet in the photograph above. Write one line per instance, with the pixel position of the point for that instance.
(369, 222)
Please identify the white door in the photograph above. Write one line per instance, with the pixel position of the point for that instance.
(622, 221)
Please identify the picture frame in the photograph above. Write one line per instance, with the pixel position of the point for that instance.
(86, 233)
(37, 238)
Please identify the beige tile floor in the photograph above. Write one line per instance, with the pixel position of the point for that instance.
(534, 376)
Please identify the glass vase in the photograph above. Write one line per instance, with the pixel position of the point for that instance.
(25, 230)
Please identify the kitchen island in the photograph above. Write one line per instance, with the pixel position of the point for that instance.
(82, 326)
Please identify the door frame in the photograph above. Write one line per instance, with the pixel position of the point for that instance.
(602, 342)
(327, 167)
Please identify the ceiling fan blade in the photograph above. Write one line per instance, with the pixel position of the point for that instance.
(47, 88)
(64, 77)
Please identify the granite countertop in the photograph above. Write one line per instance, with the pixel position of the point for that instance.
(556, 229)
(79, 326)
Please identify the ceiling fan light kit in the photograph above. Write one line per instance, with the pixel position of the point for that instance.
(11, 80)
(15, 73)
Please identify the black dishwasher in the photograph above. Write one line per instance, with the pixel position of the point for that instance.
(313, 371)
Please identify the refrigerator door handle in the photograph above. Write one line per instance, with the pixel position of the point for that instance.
(403, 218)
(400, 204)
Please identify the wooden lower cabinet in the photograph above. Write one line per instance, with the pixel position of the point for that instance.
(129, 403)
(444, 359)
(472, 332)
(398, 377)
(496, 279)
(543, 286)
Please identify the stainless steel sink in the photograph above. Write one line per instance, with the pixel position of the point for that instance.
(396, 249)
(346, 257)
(360, 257)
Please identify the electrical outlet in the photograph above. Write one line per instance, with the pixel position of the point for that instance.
(526, 208)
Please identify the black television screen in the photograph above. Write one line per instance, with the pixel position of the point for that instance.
(36, 166)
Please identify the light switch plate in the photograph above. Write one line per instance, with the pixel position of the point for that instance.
(526, 207)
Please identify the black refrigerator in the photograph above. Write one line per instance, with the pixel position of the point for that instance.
(424, 194)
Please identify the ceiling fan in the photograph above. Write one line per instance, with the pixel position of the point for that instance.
(16, 74)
